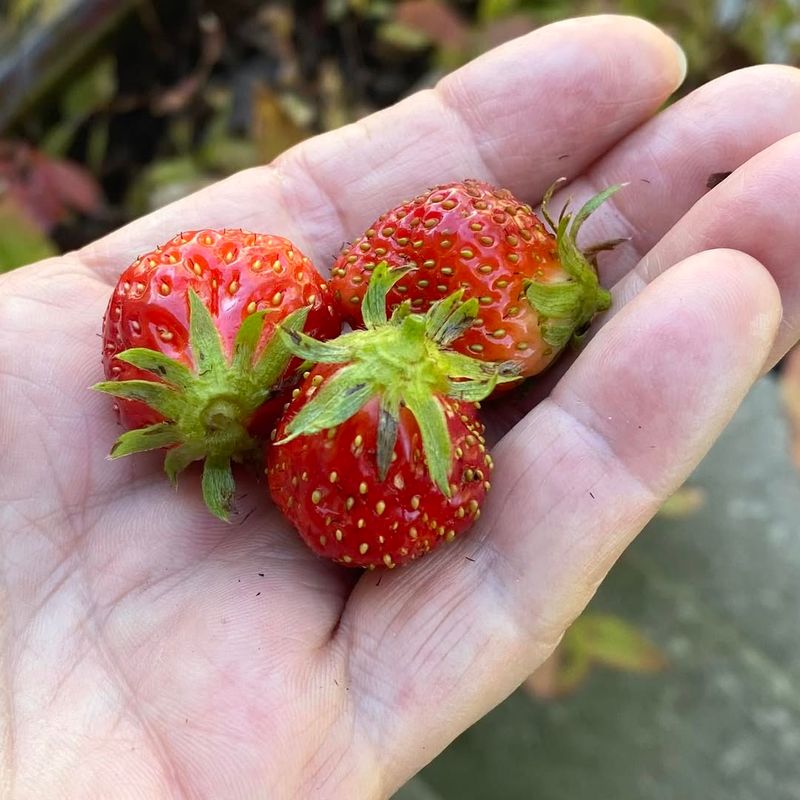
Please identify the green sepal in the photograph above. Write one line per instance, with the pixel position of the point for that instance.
(603, 300)
(402, 361)
(169, 370)
(460, 366)
(565, 308)
(315, 351)
(178, 458)
(154, 437)
(439, 312)
(449, 321)
(555, 299)
(401, 312)
(218, 486)
(204, 338)
(591, 205)
(473, 391)
(388, 424)
(432, 422)
(246, 342)
(341, 396)
(159, 396)
(373, 307)
(276, 356)
(557, 333)
(207, 410)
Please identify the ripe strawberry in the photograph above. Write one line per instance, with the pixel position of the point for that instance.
(536, 289)
(189, 347)
(380, 456)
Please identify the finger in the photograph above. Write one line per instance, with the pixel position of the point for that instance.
(670, 158)
(575, 481)
(570, 89)
(755, 210)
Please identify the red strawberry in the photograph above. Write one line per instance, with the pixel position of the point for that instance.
(189, 347)
(329, 486)
(536, 289)
(380, 456)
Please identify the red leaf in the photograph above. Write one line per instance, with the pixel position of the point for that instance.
(434, 19)
(47, 189)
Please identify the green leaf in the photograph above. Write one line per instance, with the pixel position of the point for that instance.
(373, 308)
(21, 241)
(388, 423)
(152, 361)
(218, 486)
(88, 93)
(685, 502)
(436, 444)
(158, 396)
(154, 437)
(573, 669)
(204, 338)
(178, 458)
(338, 399)
(611, 641)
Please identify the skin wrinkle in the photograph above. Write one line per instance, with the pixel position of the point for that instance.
(158, 742)
(9, 745)
(116, 670)
(459, 115)
(513, 570)
(599, 441)
(282, 173)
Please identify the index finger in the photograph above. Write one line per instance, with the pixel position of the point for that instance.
(538, 107)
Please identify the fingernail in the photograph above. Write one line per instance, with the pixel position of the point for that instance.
(683, 65)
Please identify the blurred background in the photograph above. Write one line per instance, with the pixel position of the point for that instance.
(682, 679)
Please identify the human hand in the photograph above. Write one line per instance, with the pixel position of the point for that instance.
(149, 650)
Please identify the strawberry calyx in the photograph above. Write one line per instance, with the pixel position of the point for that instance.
(406, 361)
(567, 307)
(207, 409)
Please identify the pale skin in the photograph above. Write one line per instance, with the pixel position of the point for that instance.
(149, 650)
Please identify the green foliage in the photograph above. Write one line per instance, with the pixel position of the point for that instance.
(90, 92)
(21, 241)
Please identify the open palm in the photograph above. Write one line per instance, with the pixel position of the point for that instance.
(149, 650)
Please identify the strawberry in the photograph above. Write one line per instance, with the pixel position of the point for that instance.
(380, 456)
(535, 288)
(190, 352)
